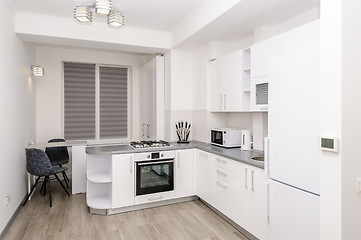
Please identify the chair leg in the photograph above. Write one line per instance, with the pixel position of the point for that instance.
(66, 182)
(42, 187)
(62, 185)
(32, 189)
(49, 190)
(65, 176)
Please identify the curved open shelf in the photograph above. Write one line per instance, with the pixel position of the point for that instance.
(102, 177)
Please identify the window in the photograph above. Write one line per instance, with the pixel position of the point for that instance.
(96, 102)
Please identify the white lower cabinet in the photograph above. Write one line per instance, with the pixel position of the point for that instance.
(184, 173)
(249, 199)
(123, 180)
(204, 175)
(110, 181)
(236, 189)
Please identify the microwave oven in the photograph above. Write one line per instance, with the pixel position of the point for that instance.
(226, 137)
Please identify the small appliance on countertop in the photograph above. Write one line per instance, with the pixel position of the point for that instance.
(226, 137)
(246, 140)
(183, 131)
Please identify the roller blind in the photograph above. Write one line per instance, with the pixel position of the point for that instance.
(113, 102)
(79, 101)
(262, 93)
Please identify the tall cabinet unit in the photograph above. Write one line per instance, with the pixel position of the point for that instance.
(228, 89)
(152, 99)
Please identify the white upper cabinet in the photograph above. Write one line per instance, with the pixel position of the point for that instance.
(228, 90)
(263, 52)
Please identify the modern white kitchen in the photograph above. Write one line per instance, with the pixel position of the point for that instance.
(243, 110)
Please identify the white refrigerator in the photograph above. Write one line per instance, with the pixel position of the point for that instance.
(292, 147)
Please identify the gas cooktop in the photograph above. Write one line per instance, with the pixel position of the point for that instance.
(149, 144)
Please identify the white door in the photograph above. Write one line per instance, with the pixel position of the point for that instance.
(184, 173)
(293, 213)
(293, 118)
(231, 80)
(123, 180)
(204, 175)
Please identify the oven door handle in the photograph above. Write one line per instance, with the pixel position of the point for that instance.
(157, 162)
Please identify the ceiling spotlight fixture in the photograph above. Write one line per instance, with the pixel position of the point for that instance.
(103, 6)
(36, 70)
(116, 19)
(84, 14)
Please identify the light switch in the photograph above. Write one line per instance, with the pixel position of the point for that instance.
(358, 180)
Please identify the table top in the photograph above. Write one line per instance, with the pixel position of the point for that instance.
(57, 144)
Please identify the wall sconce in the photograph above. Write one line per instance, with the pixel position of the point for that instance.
(36, 70)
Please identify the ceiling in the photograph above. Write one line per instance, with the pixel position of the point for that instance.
(161, 15)
(234, 25)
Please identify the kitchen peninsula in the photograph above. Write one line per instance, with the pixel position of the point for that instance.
(121, 179)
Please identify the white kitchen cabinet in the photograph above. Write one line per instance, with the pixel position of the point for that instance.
(240, 193)
(222, 184)
(123, 180)
(99, 181)
(184, 173)
(152, 99)
(226, 84)
(203, 175)
(263, 52)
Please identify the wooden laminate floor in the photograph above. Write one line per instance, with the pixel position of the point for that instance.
(69, 218)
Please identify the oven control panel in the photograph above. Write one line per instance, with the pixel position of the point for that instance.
(143, 156)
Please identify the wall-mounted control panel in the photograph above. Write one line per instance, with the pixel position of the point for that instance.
(330, 144)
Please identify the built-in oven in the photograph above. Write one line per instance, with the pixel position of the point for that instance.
(154, 172)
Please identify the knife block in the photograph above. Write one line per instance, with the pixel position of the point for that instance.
(183, 132)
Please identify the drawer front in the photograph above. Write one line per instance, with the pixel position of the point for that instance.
(222, 174)
(155, 197)
(222, 162)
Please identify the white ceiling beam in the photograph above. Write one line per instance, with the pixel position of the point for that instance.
(202, 16)
(58, 30)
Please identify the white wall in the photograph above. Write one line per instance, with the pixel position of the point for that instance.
(17, 104)
(49, 88)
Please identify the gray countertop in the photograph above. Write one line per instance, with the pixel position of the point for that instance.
(232, 153)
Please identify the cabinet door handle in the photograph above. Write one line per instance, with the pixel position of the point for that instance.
(222, 161)
(222, 173)
(246, 177)
(178, 160)
(266, 155)
(130, 164)
(252, 178)
(268, 200)
(155, 198)
(148, 125)
(221, 105)
(222, 185)
(143, 130)
(225, 101)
